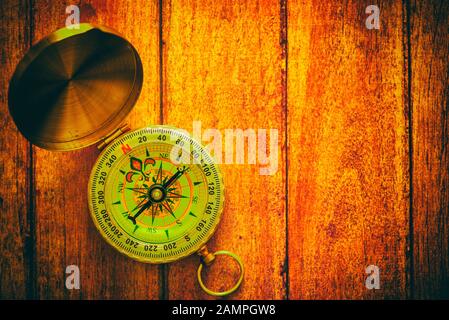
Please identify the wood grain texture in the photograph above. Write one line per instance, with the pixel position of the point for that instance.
(429, 44)
(223, 66)
(15, 232)
(348, 161)
(65, 234)
(359, 108)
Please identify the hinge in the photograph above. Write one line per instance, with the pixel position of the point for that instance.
(113, 135)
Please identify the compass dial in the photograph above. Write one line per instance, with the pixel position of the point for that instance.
(156, 195)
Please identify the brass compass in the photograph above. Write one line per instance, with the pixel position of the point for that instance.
(155, 194)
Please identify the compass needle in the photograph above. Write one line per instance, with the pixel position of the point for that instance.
(139, 205)
(142, 209)
(173, 178)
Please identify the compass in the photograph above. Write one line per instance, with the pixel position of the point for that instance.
(155, 194)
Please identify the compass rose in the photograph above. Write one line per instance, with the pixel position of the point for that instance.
(157, 196)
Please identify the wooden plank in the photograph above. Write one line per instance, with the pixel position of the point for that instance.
(15, 233)
(348, 162)
(429, 45)
(65, 232)
(223, 66)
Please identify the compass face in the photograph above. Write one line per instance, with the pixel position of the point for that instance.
(156, 195)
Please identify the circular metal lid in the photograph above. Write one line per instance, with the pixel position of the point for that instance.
(74, 87)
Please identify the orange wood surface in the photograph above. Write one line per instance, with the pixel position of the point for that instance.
(429, 81)
(15, 232)
(348, 151)
(363, 149)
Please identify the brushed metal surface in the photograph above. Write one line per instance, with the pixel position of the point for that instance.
(74, 87)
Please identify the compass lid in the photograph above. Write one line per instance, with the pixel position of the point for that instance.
(75, 87)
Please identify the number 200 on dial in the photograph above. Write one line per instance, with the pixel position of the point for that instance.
(155, 194)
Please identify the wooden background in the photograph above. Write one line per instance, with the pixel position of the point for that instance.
(363, 129)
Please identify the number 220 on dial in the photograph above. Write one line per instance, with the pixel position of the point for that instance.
(156, 195)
